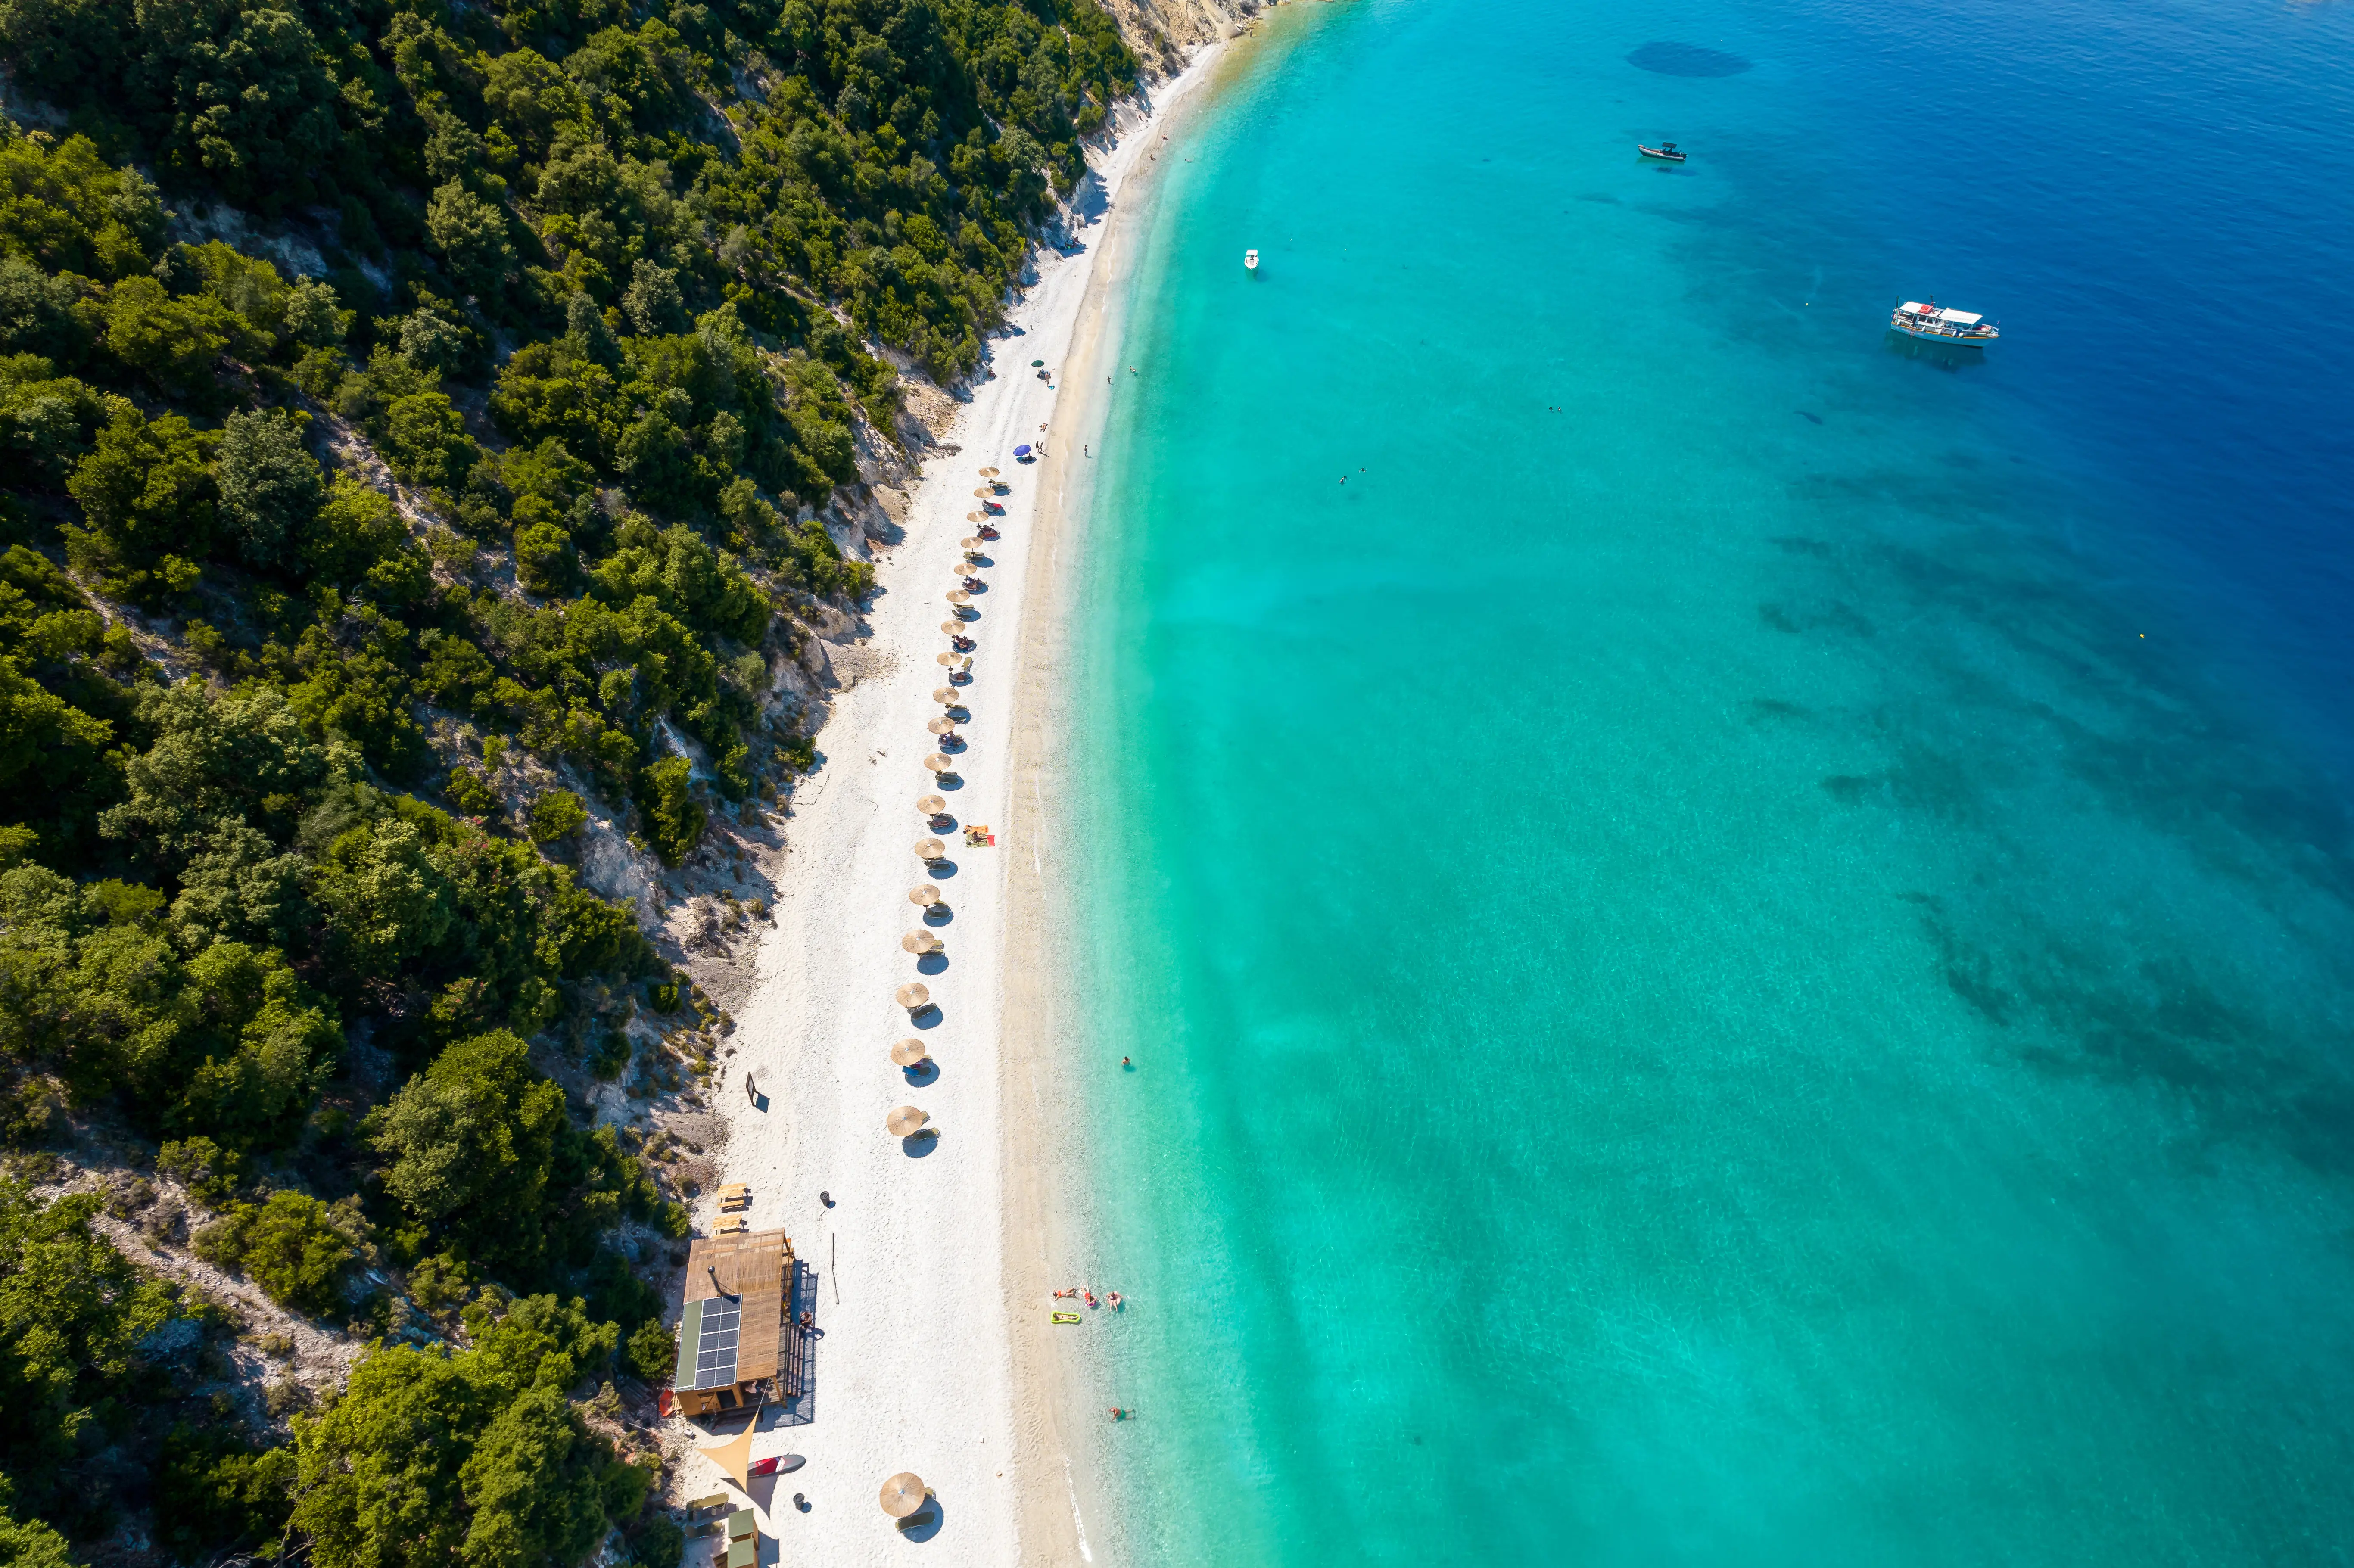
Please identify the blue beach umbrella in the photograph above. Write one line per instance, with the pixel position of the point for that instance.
(1020, 451)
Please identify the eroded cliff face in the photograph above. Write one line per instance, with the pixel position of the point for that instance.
(1163, 32)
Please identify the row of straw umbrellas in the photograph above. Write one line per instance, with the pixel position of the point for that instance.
(915, 996)
(903, 1493)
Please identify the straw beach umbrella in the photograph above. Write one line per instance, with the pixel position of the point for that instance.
(930, 850)
(947, 696)
(924, 897)
(932, 805)
(983, 492)
(904, 1122)
(989, 473)
(908, 1051)
(913, 996)
(958, 596)
(953, 660)
(953, 628)
(970, 545)
(921, 942)
(940, 764)
(974, 517)
(942, 725)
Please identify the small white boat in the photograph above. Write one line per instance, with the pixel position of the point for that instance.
(1933, 325)
(1250, 261)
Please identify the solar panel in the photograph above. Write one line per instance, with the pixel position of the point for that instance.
(714, 1350)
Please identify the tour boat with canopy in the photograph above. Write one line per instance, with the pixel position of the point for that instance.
(1934, 325)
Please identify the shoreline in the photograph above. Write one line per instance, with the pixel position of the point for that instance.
(922, 1265)
(1069, 1511)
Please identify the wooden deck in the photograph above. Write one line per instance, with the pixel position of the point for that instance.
(792, 1375)
(757, 1269)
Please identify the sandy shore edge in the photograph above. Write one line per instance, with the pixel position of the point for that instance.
(1068, 1490)
(925, 1260)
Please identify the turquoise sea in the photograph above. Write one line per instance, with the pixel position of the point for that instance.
(1740, 951)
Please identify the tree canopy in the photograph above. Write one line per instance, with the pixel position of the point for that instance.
(418, 425)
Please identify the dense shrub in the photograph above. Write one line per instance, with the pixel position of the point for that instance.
(556, 813)
(293, 1246)
(674, 819)
(87, 1342)
(477, 1457)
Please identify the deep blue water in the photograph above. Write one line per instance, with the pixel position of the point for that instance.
(1742, 949)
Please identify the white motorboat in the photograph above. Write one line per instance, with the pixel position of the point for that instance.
(1250, 262)
(1932, 323)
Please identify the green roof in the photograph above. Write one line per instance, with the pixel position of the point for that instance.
(690, 1334)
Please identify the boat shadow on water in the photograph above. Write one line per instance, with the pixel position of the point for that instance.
(1942, 356)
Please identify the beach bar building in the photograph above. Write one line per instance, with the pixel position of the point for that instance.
(733, 1336)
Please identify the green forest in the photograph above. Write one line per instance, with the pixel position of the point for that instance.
(402, 406)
